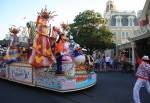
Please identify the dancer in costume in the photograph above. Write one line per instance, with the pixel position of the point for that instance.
(142, 78)
(42, 55)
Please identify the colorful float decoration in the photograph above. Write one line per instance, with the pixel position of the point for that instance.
(54, 63)
(13, 51)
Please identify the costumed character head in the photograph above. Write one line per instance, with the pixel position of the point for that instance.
(79, 58)
(65, 28)
(82, 59)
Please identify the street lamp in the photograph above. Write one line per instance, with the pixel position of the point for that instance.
(133, 54)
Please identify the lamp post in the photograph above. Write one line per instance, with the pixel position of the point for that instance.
(133, 55)
(117, 43)
(116, 50)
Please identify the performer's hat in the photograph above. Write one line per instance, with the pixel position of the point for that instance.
(145, 57)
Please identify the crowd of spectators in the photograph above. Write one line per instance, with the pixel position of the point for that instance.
(2, 53)
(110, 62)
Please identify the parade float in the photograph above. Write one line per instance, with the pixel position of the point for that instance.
(56, 62)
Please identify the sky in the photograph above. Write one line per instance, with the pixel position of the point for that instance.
(18, 12)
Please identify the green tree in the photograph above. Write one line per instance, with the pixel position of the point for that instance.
(89, 30)
(4, 43)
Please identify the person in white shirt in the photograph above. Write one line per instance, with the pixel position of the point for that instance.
(107, 60)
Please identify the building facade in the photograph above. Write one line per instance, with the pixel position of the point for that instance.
(121, 23)
(140, 40)
(141, 37)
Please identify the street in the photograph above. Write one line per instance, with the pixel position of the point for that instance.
(111, 87)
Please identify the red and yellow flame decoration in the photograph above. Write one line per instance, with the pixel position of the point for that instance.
(42, 55)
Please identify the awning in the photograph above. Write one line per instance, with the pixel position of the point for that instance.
(145, 35)
(124, 46)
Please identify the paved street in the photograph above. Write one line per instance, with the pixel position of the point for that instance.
(112, 87)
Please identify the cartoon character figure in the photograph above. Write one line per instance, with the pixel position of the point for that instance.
(62, 52)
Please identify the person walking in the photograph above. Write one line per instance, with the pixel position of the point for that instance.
(142, 78)
(107, 60)
(115, 64)
(102, 63)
